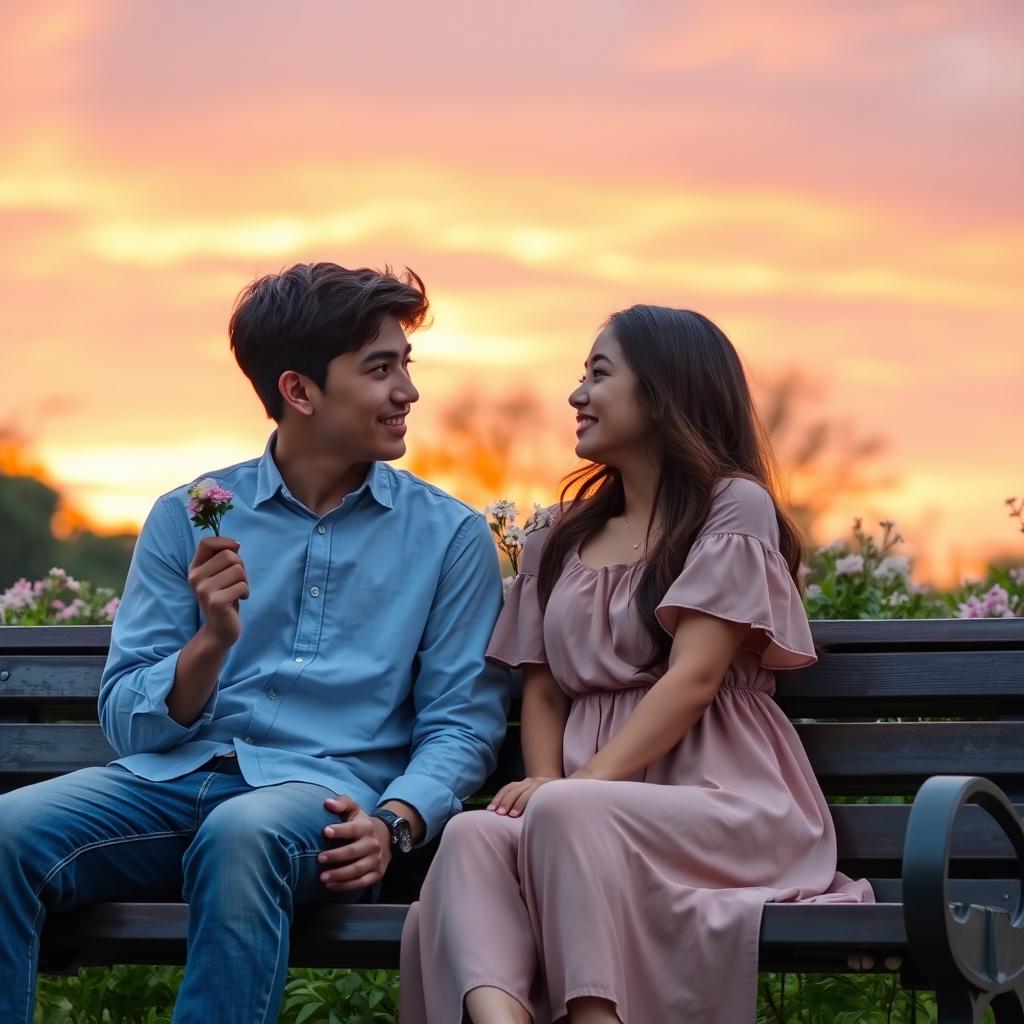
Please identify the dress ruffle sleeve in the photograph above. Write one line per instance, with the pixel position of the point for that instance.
(518, 637)
(740, 575)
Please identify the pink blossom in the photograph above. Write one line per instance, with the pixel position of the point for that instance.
(17, 595)
(110, 608)
(996, 603)
(1017, 575)
(850, 565)
(57, 605)
(972, 608)
(207, 503)
(76, 608)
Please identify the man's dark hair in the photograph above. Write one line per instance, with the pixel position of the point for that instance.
(303, 317)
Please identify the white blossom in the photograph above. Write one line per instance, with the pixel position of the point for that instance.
(502, 510)
(850, 565)
(892, 565)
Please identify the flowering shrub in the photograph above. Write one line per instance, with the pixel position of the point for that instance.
(57, 599)
(865, 578)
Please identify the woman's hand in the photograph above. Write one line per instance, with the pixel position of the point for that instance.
(512, 799)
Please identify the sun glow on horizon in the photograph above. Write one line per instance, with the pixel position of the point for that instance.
(809, 179)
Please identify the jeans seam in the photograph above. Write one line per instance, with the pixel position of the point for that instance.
(200, 796)
(78, 851)
(33, 961)
(282, 932)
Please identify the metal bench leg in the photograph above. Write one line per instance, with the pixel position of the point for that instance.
(1008, 1008)
(959, 1007)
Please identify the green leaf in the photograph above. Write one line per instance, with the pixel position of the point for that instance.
(306, 1012)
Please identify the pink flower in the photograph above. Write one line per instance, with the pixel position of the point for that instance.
(208, 502)
(110, 608)
(1017, 575)
(972, 608)
(996, 603)
(76, 608)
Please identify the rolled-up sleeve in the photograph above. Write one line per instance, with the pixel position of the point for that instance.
(158, 615)
(460, 699)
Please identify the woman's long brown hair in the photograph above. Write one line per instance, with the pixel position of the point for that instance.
(692, 382)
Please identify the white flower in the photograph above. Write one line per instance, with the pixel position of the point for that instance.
(835, 548)
(515, 535)
(813, 591)
(850, 565)
(506, 585)
(502, 510)
(892, 565)
(540, 518)
(895, 600)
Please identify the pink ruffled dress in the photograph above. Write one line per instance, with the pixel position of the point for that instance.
(647, 892)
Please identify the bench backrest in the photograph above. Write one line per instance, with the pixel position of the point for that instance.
(888, 704)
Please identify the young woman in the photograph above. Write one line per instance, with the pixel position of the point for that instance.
(667, 797)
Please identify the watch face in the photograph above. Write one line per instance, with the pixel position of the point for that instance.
(403, 835)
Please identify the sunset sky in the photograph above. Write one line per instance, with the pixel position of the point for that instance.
(840, 185)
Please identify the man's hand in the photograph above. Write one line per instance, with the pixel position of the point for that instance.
(366, 854)
(219, 581)
(513, 798)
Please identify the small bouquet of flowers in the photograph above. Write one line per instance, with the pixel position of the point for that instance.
(510, 538)
(208, 502)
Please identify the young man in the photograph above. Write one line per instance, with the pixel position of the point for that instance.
(290, 702)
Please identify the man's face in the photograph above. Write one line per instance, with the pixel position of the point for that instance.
(362, 408)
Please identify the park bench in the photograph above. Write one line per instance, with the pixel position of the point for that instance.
(893, 709)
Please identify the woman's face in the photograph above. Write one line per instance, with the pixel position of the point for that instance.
(613, 422)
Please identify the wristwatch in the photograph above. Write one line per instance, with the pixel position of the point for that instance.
(400, 829)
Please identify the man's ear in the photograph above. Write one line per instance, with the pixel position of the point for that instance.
(296, 390)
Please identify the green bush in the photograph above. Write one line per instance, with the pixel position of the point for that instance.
(140, 994)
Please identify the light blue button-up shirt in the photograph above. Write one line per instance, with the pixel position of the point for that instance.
(361, 661)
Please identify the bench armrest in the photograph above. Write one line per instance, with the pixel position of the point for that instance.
(969, 953)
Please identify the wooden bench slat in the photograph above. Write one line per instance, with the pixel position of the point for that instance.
(837, 635)
(847, 757)
(862, 753)
(45, 639)
(369, 936)
(51, 679)
(328, 935)
(51, 749)
(926, 674)
(917, 634)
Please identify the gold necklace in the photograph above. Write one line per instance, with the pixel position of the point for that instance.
(636, 546)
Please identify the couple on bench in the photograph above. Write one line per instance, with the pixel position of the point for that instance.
(299, 701)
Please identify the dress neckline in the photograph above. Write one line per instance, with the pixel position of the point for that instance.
(603, 568)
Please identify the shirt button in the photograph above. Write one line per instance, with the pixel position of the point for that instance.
(272, 694)
(248, 739)
(314, 591)
(298, 661)
(321, 529)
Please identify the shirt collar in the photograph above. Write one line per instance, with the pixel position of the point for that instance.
(269, 480)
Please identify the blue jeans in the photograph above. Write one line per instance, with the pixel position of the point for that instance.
(241, 857)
